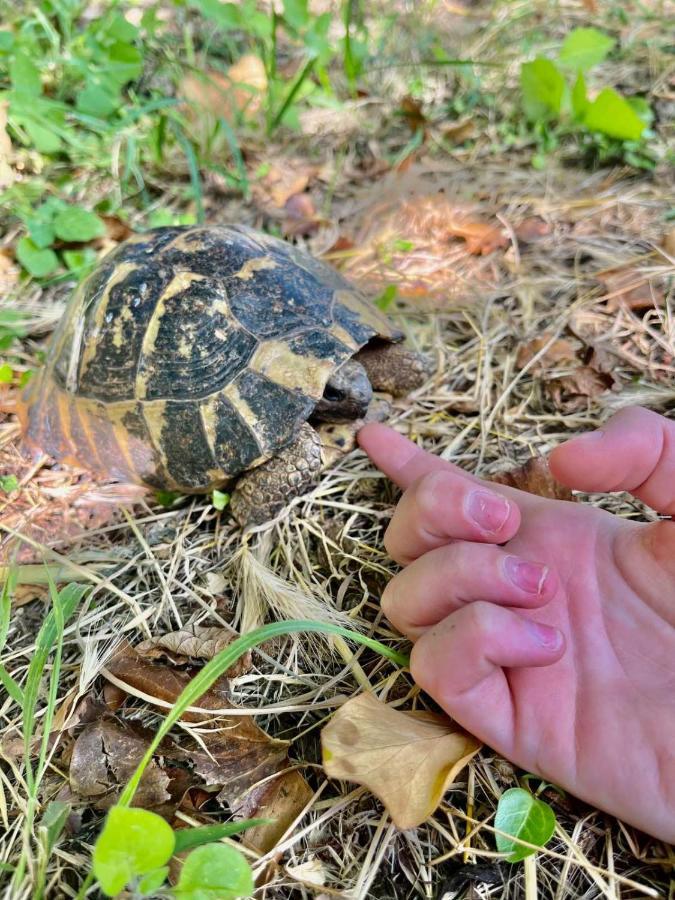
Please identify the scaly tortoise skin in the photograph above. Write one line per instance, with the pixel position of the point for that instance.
(192, 355)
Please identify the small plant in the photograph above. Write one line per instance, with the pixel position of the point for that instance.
(53, 224)
(522, 817)
(556, 100)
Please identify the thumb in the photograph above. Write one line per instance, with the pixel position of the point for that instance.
(633, 451)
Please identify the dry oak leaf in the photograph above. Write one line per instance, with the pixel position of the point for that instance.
(535, 477)
(573, 392)
(224, 95)
(194, 642)
(281, 800)
(631, 288)
(559, 351)
(407, 759)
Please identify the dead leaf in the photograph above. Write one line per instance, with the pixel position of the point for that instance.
(535, 477)
(532, 229)
(460, 131)
(411, 110)
(669, 242)
(283, 179)
(560, 351)
(313, 872)
(105, 756)
(282, 800)
(9, 271)
(193, 642)
(407, 759)
(301, 216)
(572, 392)
(630, 288)
(240, 90)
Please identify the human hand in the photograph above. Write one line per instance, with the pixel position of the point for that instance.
(547, 628)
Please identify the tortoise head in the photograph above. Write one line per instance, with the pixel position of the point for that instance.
(346, 396)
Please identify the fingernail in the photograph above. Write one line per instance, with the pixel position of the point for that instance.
(528, 576)
(489, 511)
(545, 635)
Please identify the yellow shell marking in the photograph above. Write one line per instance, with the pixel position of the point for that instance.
(118, 275)
(251, 266)
(276, 361)
(365, 310)
(180, 282)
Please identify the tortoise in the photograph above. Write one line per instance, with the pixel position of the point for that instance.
(195, 356)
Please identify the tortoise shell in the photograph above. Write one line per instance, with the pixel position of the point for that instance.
(193, 354)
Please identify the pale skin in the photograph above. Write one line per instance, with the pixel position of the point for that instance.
(547, 628)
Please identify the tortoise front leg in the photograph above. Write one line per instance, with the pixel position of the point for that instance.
(262, 493)
(393, 368)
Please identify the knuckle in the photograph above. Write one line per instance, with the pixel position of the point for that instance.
(427, 493)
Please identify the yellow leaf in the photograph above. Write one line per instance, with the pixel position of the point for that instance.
(407, 759)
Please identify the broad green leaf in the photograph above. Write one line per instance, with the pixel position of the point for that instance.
(36, 262)
(227, 15)
(9, 483)
(187, 838)
(6, 41)
(133, 842)
(584, 48)
(79, 260)
(611, 114)
(25, 75)
(119, 29)
(296, 13)
(6, 373)
(94, 100)
(642, 108)
(77, 224)
(40, 231)
(579, 97)
(522, 816)
(220, 499)
(125, 62)
(543, 89)
(54, 821)
(44, 139)
(387, 297)
(214, 872)
(152, 882)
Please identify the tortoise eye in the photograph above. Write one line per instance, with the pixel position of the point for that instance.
(333, 394)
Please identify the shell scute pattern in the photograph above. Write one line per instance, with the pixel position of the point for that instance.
(193, 354)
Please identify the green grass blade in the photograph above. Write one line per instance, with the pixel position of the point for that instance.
(6, 603)
(186, 838)
(235, 150)
(11, 686)
(193, 167)
(291, 95)
(226, 658)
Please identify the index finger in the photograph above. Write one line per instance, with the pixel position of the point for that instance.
(400, 459)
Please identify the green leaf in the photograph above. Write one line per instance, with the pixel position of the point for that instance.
(296, 13)
(220, 499)
(35, 261)
(43, 139)
(584, 48)
(152, 882)
(227, 15)
(79, 261)
(187, 838)
(125, 62)
(6, 41)
(133, 842)
(75, 223)
(610, 114)
(642, 108)
(387, 297)
(214, 872)
(120, 30)
(543, 89)
(54, 821)
(6, 373)
(579, 97)
(41, 232)
(25, 75)
(94, 100)
(9, 483)
(522, 816)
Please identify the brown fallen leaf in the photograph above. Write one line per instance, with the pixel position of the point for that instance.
(460, 131)
(240, 90)
(535, 477)
(407, 759)
(560, 351)
(532, 229)
(193, 642)
(283, 179)
(572, 392)
(301, 216)
(103, 759)
(411, 111)
(630, 288)
(282, 800)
